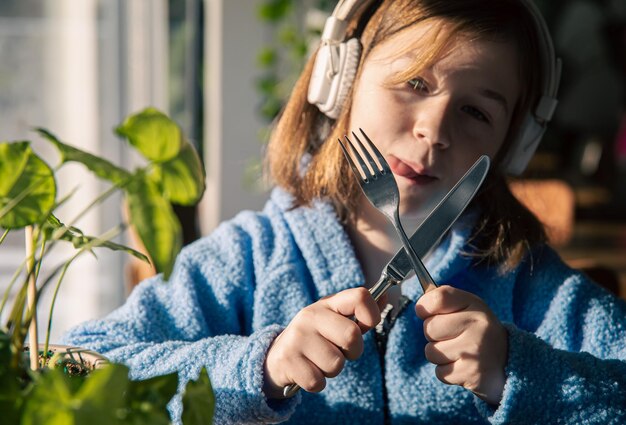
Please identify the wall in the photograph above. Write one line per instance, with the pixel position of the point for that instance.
(233, 37)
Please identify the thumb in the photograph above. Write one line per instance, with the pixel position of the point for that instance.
(442, 300)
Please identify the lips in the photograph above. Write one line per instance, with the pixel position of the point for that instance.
(415, 173)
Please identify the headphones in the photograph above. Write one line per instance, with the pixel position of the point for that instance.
(338, 59)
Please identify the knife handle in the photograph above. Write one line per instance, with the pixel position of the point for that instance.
(384, 283)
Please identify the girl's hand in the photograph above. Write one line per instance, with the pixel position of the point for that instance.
(318, 341)
(467, 342)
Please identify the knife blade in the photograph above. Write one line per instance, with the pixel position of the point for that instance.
(436, 224)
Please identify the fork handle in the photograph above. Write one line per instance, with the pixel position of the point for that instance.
(423, 277)
(384, 283)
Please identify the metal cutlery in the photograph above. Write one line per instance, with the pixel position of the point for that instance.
(380, 187)
(428, 234)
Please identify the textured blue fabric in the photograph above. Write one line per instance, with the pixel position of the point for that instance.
(232, 292)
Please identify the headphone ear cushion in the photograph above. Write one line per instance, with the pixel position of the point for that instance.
(329, 87)
(524, 146)
(345, 77)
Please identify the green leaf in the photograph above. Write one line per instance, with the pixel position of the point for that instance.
(267, 84)
(34, 192)
(183, 177)
(274, 10)
(104, 397)
(100, 167)
(300, 50)
(152, 133)
(155, 222)
(267, 57)
(103, 391)
(198, 401)
(10, 393)
(116, 247)
(58, 399)
(49, 402)
(288, 35)
(148, 399)
(270, 107)
(78, 239)
(13, 158)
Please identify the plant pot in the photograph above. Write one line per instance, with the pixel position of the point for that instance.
(74, 360)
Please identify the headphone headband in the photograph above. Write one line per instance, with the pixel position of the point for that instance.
(536, 121)
(347, 9)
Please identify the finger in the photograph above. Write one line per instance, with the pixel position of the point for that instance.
(326, 356)
(446, 374)
(443, 327)
(357, 302)
(462, 372)
(442, 300)
(286, 364)
(323, 318)
(307, 375)
(444, 352)
(343, 332)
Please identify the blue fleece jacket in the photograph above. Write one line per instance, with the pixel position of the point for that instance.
(232, 292)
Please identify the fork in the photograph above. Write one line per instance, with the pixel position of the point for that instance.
(380, 187)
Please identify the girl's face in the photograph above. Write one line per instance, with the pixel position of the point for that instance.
(432, 128)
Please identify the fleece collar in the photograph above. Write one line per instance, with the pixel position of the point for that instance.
(330, 256)
(325, 245)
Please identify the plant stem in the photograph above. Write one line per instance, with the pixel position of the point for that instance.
(58, 233)
(32, 299)
(101, 198)
(54, 297)
(108, 235)
(4, 235)
(7, 292)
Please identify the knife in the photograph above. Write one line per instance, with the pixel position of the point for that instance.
(438, 222)
(432, 229)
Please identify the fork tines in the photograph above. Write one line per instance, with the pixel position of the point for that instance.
(360, 151)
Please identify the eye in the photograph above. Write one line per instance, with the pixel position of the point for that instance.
(475, 113)
(418, 84)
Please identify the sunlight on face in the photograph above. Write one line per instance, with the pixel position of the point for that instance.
(431, 127)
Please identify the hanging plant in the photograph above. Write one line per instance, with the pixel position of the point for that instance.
(282, 58)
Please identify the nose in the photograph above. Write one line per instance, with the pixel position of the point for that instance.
(432, 124)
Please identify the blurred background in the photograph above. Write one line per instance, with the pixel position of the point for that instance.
(223, 68)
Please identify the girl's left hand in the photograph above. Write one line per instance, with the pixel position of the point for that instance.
(467, 341)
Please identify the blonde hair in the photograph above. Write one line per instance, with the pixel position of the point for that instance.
(303, 134)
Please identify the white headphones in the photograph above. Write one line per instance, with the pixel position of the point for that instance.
(337, 61)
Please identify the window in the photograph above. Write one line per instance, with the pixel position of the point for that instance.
(77, 68)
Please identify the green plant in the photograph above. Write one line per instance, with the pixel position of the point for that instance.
(44, 393)
(282, 57)
(280, 60)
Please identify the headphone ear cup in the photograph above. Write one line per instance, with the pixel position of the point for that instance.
(524, 146)
(333, 75)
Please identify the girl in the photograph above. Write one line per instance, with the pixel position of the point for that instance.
(511, 335)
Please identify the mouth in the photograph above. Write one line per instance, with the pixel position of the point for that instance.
(413, 172)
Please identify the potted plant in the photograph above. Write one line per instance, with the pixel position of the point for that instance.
(68, 385)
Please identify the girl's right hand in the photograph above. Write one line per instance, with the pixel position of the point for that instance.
(317, 342)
